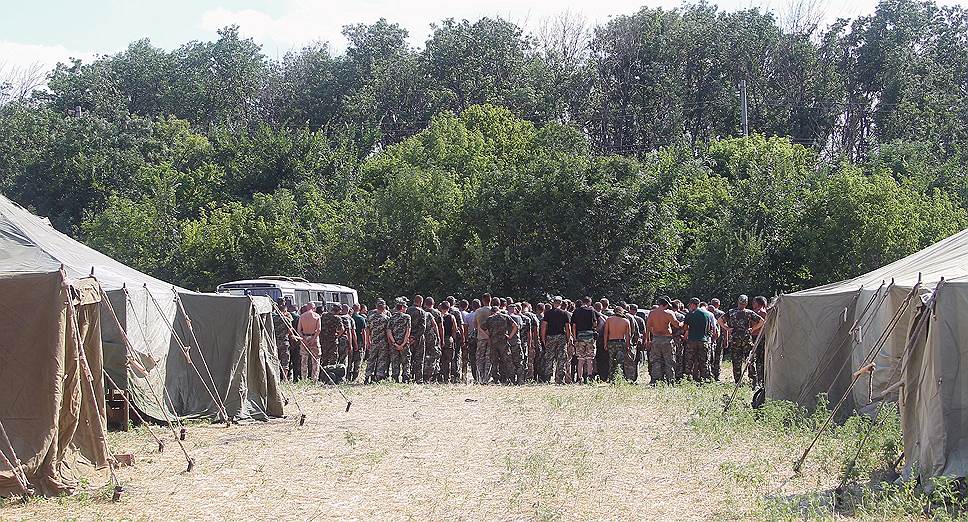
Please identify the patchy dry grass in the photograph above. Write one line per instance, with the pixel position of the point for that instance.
(490, 453)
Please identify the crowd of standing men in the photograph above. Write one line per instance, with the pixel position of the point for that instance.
(500, 340)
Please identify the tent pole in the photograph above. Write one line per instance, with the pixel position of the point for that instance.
(860, 447)
(746, 364)
(131, 355)
(292, 391)
(880, 342)
(17, 470)
(188, 357)
(303, 342)
(182, 432)
(188, 323)
(855, 327)
(88, 377)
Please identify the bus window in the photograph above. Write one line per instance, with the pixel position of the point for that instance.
(321, 297)
(345, 299)
(302, 297)
(273, 293)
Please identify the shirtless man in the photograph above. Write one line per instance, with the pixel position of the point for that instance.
(662, 356)
(309, 326)
(618, 343)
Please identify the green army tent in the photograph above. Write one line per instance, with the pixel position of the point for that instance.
(52, 416)
(819, 337)
(232, 359)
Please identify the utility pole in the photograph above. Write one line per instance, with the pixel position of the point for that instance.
(745, 112)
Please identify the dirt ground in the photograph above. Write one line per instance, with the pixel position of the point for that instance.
(463, 452)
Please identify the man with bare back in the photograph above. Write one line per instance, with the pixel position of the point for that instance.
(662, 356)
(618, 343)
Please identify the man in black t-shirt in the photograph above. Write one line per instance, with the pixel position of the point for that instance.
(585, 324)
(556, 335)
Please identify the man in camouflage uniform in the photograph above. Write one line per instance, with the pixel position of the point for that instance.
(630, 368)
(378, 357)
(500, 329)
(460, 337)
(719, 338)
(418, 330)
(399, 341)
(469, 358)
(739, 323)
(347, 340)
(330, 329)
(433, 335)
(281, 324)
(518, 353)
(529, 339)
(483, 361)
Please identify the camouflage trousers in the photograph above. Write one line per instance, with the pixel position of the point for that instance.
(502, 364)
(662, 360)
(447, 361)
(716, 356)
(343, 353)
(430, 363)
(680, 347)
(282, 349)
(557, 360)
(468, 359)
(529, 357)
(329, 353)
(354, 360)
(619, 357)
(757, 371)
(455, 359)
(696, 361)
(519, 362)
(378, 362)
(739, 349)
(417, 348)
(400, 364)
(483, 362)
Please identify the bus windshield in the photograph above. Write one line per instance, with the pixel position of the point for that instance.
(273, 293)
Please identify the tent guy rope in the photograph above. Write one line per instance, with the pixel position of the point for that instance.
(186, 351)
(131, 355)
(870, 355)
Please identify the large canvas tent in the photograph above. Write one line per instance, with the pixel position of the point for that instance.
(233, 356)
(818, 337)
(51, 386)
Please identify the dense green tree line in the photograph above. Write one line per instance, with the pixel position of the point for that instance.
(566, 160)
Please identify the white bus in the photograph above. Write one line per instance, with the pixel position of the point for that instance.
(295, 290)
